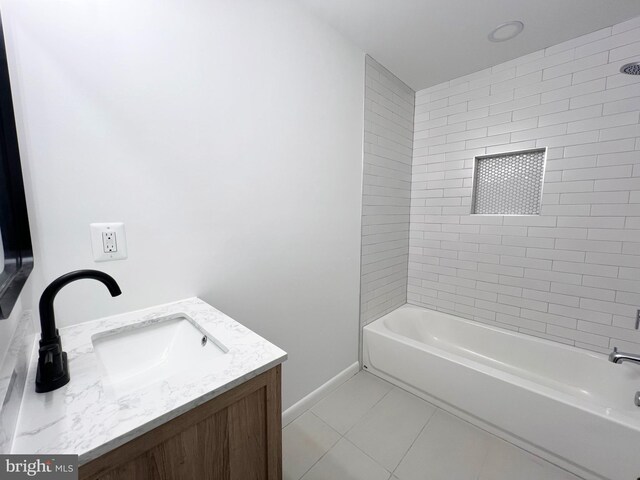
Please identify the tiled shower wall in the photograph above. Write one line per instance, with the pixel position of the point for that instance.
(388, 141)
(571, 274)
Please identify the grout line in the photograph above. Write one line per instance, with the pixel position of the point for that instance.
(372, 406)
(368, 456)
(486, 455)
(417, 436)
(328, 450)
(341, 435)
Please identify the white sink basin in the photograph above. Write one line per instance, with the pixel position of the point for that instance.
(173, 347)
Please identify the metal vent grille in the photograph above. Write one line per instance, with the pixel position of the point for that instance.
(509, 183)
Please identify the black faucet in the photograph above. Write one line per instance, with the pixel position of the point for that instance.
(53, 369)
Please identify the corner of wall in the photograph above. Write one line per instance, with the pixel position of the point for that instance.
(386, 196)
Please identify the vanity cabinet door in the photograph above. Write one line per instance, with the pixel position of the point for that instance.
(236, 436)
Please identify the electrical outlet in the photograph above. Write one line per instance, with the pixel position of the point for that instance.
(108, 241)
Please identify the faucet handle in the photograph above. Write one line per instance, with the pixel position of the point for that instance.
(615, 349)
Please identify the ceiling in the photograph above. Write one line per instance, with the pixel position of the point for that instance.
(426, 42)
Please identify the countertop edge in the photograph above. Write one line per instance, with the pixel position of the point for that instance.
(172, 414)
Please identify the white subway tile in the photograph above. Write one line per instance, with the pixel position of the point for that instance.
(594, 198)
(544, 109)
(608, 43)
(567, 140)
(620, 106)
(627, 25)
(518, 104)
(629, 92)
(518, 61)
(570, 163)
(552, 276)
(616, 133)
(470, 115)
(624, 51)
(491, 100)
(614, 146)
(574, 210)
(599, 293)
(585, 268)
(613, 259)
(617, 284)
(589, 245)
(520, 322)
(555, 254)
(487, 141)
(581, 314)
(545, 62)
(549, 297)
(511, 84)
(576, 42)
(467, 135)
(512, 126)
(618, 184)
(616, 210)
(609, 331)
(562, 187)
(620, 80)
(576, 65)
(537, 133)
(443, 112)
(580, 233)
(570, 115)
(607, 121)
(578, 335)
(511, 147)
(591, 222)
(574, 90)
(542, 87)
(469, 95)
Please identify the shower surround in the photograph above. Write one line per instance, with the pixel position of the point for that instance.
(388, 144)
(571, 274)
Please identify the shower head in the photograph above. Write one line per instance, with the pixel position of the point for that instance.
(631, 68)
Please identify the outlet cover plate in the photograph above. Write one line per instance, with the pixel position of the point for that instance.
(103, 252)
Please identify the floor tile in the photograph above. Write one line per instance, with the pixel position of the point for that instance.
(351, 401)
(304, 442)
(448, 448)
(387, 431)
(506, 462)
(345, 462)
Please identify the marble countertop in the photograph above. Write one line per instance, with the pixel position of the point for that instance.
(88, 417)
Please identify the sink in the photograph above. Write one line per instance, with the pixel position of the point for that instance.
(173, 347)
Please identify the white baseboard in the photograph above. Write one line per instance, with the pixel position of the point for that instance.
(298, 408)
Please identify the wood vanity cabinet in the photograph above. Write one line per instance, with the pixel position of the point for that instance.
(235, 436)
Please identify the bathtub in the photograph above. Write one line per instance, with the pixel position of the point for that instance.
(567, 405)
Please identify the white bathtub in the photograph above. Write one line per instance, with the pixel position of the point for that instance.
(570, 406)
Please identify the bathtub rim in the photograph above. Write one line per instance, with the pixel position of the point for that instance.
(620, 417)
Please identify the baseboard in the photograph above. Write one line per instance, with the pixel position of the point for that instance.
(298, 408)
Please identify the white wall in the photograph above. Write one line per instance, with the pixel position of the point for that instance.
(388, 143)
(571, 274)
(227, 135)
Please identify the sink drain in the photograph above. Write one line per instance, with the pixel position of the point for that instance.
(203, 342)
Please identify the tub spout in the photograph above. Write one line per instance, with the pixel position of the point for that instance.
(619, 357)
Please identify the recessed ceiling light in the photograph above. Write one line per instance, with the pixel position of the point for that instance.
(506, 31)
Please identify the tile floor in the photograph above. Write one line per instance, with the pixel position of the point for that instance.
(368, 429)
